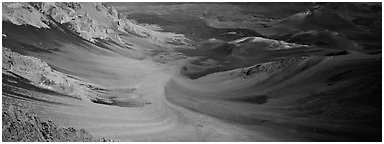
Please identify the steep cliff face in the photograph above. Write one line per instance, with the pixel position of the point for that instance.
(91, 21)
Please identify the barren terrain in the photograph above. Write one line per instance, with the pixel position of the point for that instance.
(191, 72)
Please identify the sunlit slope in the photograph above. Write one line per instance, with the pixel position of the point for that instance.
(215, 55)
(87, 40)
(324, 39)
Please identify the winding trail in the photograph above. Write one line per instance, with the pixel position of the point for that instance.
(158, 121)
(300, 99)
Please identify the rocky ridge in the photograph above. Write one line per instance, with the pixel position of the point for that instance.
(91, 21)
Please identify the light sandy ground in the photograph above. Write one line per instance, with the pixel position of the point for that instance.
(181, 109)
(158, 121)
(217, 107)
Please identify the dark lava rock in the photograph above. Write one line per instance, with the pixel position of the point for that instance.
(23, 126)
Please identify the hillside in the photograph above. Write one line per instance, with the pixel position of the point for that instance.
(191, 72)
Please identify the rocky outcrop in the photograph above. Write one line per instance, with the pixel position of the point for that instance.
(19, 125)
(281, 66)
(41, 75)
(29, 79)
(91, 21)
(24, 14)
(266, 44)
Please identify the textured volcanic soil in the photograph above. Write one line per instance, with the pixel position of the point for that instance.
(87, 72)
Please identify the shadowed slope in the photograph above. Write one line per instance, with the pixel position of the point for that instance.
(326, 99)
